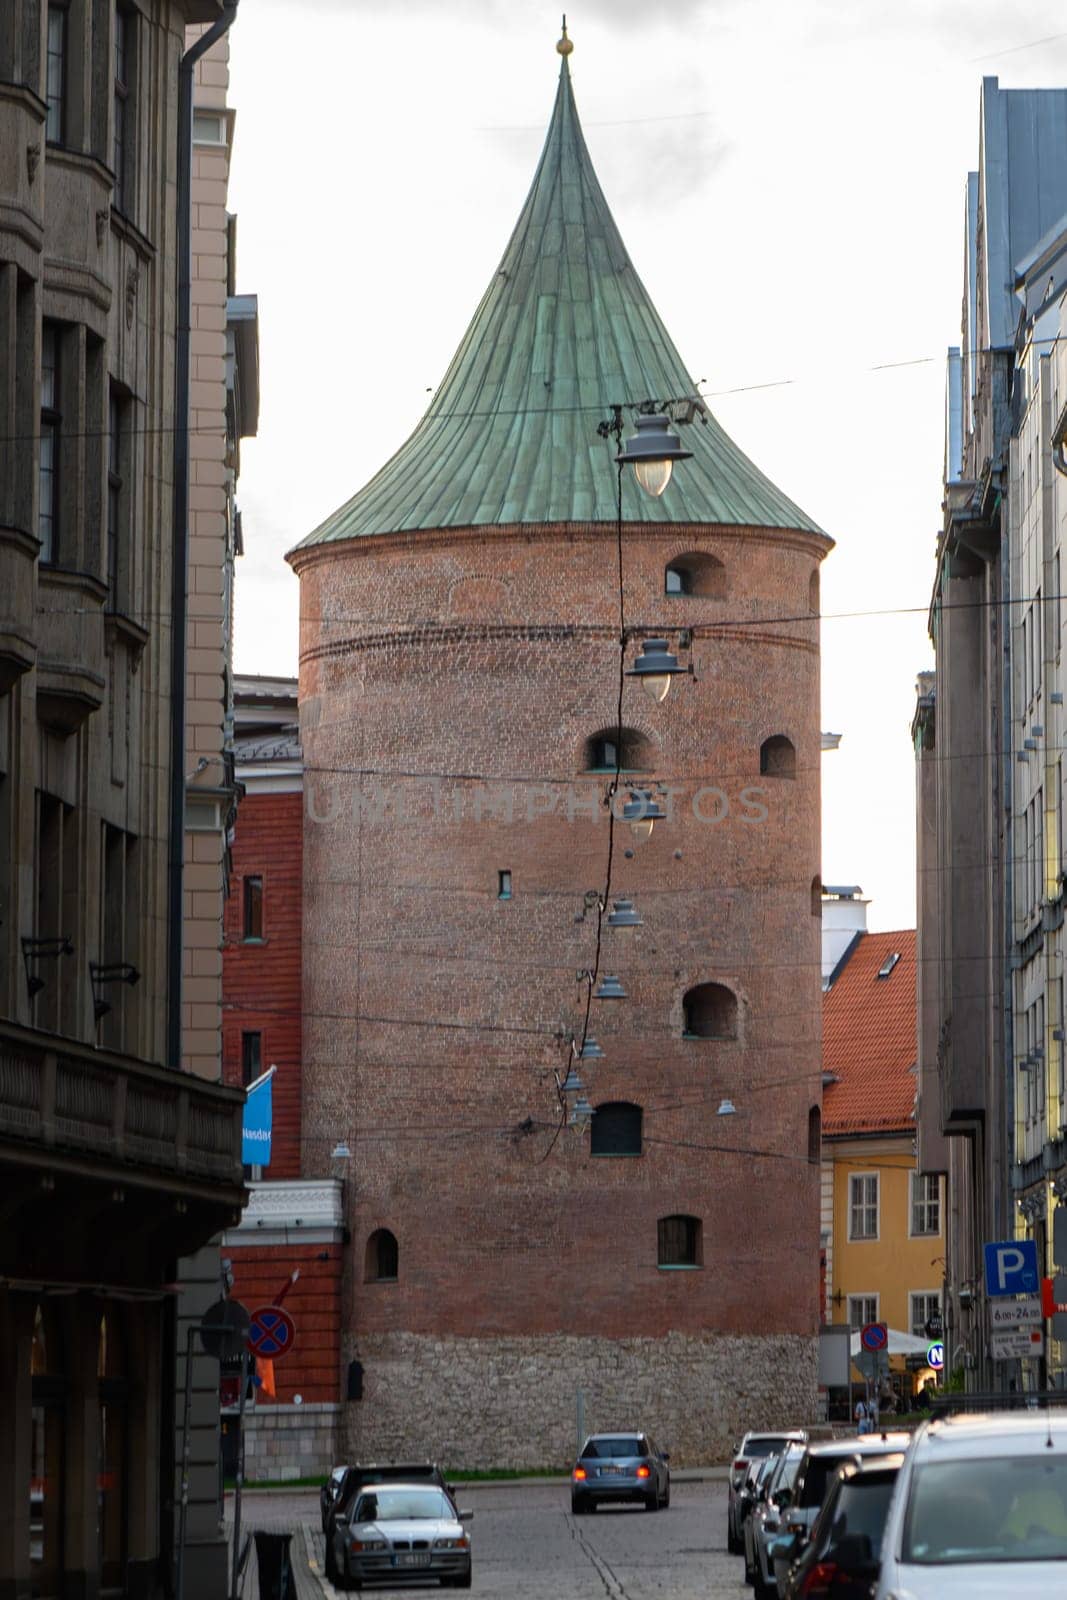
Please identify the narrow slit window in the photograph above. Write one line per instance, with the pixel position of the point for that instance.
(253, 908)
(503, 885)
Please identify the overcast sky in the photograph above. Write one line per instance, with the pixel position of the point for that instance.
(789, 180)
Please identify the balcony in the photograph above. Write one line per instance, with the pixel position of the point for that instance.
(109, 1168)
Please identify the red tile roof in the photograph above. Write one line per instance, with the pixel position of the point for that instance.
(868, 1039)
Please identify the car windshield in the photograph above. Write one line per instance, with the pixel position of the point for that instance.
(817, 1474)
(391, 1505)
(788, 1467)
(1013, 1508)
(763, 1444)
(607, 1449)
(860, 1512)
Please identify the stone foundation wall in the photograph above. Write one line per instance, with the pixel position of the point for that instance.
(285, 1442)
(478, 1403)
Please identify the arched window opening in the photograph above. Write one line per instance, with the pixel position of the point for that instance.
(679, 1242)
(813, 593)
(710, 1011)
(616, 1130)
(627, 750)
(383, 1257)
(778, 757)
(696, 573)
(816, 895)
(814, 1134)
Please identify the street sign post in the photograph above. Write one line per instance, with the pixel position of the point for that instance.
(1011, 1267)
(1014, 1313)
(1017, 1346)
(271, 1333)
(223, 1329)
(873, 1364)
(874, 1336)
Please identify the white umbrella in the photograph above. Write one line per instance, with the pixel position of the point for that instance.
(900, 1344)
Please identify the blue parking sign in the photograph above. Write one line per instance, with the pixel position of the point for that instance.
(1011, 1267)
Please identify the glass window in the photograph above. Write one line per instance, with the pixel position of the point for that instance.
(48, 514)
(863, 1205)
(925, 1203)
(383, 1504)
(679, 1241)
(623, 1448)
(114, 496)
(251, 1057)
(56, 74)
(503, 885)
(860, 1512)
(710, 1012)
(923, 1307)
(616, 1130)
(383, 1257)
(253, 907)
(862, 1308)
(677, 580)
(47, 1419)
(121, 153)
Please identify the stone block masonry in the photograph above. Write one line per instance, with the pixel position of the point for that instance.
(291, 1441)
(511, 1403)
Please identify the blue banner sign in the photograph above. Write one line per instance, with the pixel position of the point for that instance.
(258, 1119)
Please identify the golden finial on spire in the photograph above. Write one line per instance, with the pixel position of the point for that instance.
(564, 46)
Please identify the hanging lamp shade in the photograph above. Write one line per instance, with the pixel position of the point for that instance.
(652, 452)
(572, 1084)
(655, 667)
(726, 1108)
(624, 916)
(582, 1113)
(642, 813)
(590, 1050)
(609, 988)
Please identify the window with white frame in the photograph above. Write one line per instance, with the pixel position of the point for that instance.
(923, 1306)
(925, 1203)
(862, 1308)
(863, 1205)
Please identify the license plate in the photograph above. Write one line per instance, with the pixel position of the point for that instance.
(611, 1472)
(413, 1558)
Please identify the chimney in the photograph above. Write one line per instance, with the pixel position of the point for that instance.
(844, 918)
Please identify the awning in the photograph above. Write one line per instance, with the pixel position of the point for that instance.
(258, 1121)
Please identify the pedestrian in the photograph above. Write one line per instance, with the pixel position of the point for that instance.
(863, 1421)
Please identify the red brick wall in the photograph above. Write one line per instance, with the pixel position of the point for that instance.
(313, 1368)
(261, 982)
(432, 1008)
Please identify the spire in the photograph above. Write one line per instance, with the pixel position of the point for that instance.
(564, 331)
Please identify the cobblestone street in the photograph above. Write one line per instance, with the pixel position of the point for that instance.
(527, 1546)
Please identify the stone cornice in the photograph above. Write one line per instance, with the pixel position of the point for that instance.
(817, 545)
(301, 1209)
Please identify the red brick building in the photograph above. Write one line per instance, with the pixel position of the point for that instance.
(290, 1225)
(465, 622)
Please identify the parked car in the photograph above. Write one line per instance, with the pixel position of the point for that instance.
(752, 1446)
(764, 1522)
(843, 1555)
(752, 1492)
(402, 1530)
(818, 1466)
(354, 1478)
(620, 1467)
(328, 1494)
(980, 1510)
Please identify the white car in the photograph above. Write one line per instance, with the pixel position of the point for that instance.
(980, 1510)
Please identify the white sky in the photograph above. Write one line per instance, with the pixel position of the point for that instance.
(789, 180)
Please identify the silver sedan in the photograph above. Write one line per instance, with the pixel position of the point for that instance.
(618, 1467)
(401, 1530)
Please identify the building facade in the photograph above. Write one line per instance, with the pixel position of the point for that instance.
(116, 1167)
(467, 621)
(884, 1218)
(292, 1224)
(987, 734)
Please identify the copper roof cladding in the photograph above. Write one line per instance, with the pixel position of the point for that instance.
(564, 331)
(869, 1039)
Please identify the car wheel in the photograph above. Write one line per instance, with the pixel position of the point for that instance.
(578, 1505)
(733, 1543)
(764, 1591)
(329, 1565)
(463, 1581)
(652, 1503)
(666, 1496)
(750, 1570)
(341, 1577)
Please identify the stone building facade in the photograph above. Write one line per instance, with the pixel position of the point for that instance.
(115, 1166)
(988, 732)
(465, 622)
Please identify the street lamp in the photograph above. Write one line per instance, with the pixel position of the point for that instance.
(655, 666)
(642, 813)
(624, 916)
(610, 988)
(652, 452)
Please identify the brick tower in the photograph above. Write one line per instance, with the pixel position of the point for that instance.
(459, 704)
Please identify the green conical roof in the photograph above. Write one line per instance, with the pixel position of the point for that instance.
(564, 331)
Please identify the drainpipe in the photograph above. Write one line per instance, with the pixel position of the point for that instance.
(180, 546)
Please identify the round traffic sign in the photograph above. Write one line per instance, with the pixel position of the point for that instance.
(223, 1328)
(271, 1333)
(935, 1356)
(874, 1336)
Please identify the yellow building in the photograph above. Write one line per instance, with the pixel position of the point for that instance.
(883, 1222)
